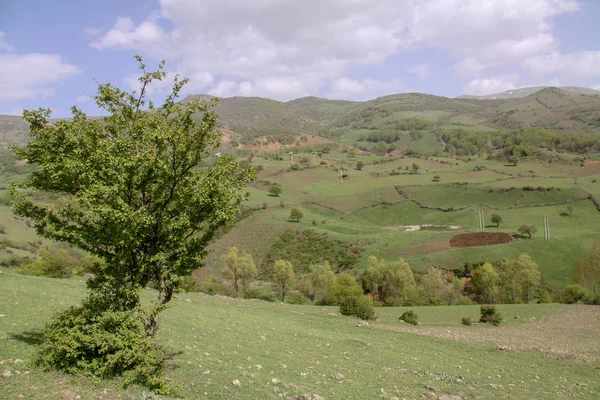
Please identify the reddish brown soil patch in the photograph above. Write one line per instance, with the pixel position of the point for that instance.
(474, 239)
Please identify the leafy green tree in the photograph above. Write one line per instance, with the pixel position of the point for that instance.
(588, 268)
(496, 219)
(296, 215)
(389, 281)
(360, 165)
(133, 190)
(275, 190)
(240, 268)
(415, 168)
(514, 160)
(432, 282)
(486, 281)
(283, 277)
(529, 277)
(322, 278)
(345, 287)
(437, 178)
(527, 229)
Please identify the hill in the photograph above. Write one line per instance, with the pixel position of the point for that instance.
(528, 91)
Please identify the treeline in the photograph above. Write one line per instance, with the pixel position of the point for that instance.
(461, 142)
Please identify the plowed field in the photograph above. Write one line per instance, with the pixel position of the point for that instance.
(474, 239)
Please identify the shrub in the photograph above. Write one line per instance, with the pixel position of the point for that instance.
(358, 306)
(490, 315)
(575, 293)
(297, 298)
(466, 321)
(86, 340)
(544, 297)
(410, 317)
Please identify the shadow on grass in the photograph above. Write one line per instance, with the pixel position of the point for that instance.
(31, 338)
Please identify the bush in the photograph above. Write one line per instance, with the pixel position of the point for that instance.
(466, 321)
(410, 317)
(297, 298)
(574, 294)
(86, 340)
(358, 306)
(490, 315)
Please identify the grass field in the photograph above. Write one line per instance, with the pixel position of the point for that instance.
(277, 349)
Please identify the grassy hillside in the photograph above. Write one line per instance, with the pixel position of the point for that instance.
(274, 349)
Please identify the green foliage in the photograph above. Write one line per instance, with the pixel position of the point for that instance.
(283, 278)
(360, 165)
(496, 219)
(588, 268)
(486, 281)
(295, 215)
(575, 294)
(437, 178)
(389, 282)
(275, 190)
(514, 160)
(527, 229)
(322, 279)
(92, 341)
(466, 321)
(57, 264)
(410, 317)
(297, 298)
(359, 306)
(490, 315)
(345, 287)
(306, 248)
(240, 268)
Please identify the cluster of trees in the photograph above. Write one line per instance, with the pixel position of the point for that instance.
(461, 142)
(393, 283)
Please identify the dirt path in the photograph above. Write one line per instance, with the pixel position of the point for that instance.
(570, 332)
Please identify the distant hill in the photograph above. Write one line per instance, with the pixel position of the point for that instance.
(528, 91)
(260, 120)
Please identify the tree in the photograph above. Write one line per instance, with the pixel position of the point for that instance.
(496, 219)
(322, 278)
(529, 276)
(283, 277)
(133, 192)
(275, 190)
(296, 214)
(238, 267)
(514, 160)
(527, 229)
(360, 165)
(389, 281)
(437, 178)
(486, 279)
(588, 268)
(415, 168)
(432, 283)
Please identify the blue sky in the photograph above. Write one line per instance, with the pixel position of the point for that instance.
(51, 54)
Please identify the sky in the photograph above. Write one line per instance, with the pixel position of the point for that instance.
(53, 54)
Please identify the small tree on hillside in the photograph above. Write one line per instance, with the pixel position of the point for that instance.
(588, 268)
(240, 268)
(437, 178)
(415, 168)
(496, 219)
(514, 160)
(275, 190)
(360, 165)
(283, 277)
(527, 229)
(295, 215)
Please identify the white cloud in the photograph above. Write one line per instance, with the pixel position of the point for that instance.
(420, 70)
(344, 88)
(490, 85)
(281, 48)
(25, 76)
(3, 44)
(125, 35)
(579, 64)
